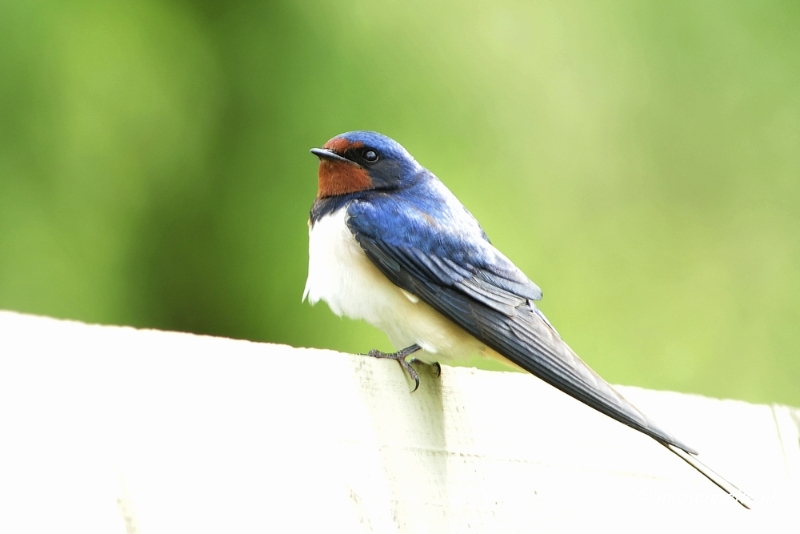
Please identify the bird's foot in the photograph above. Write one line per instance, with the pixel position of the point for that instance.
(400, 357)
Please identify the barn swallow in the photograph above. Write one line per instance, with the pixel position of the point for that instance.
(390, 244)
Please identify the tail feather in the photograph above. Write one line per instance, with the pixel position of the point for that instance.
(726, 486)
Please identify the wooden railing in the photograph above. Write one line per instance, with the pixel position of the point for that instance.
(109, 429)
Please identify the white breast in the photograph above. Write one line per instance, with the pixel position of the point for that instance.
(340, 273)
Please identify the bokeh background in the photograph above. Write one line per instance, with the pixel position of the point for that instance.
(640, 161)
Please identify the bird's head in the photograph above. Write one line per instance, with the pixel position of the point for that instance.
(360, 161)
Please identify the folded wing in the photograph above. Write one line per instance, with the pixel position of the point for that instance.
(461, 275)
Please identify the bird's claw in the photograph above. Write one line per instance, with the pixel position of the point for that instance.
(400, 357)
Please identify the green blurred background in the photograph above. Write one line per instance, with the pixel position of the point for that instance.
(639, 161)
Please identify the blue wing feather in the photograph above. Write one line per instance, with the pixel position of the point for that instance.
(429, 247)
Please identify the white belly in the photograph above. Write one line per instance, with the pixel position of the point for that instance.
(340, 273)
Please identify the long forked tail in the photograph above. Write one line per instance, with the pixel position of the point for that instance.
(735, 493)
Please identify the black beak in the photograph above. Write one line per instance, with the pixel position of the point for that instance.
(324, 153)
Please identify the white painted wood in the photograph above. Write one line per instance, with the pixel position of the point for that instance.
(184, 433)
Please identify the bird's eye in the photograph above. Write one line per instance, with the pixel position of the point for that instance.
(370, 155)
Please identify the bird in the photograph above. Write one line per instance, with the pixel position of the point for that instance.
(390, 244)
